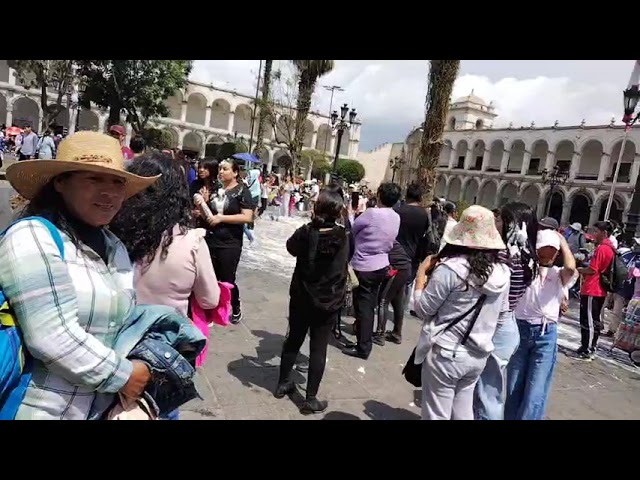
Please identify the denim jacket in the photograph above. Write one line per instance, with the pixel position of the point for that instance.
(169, 343)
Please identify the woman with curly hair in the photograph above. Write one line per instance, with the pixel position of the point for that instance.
(460, 307)
(171, 260)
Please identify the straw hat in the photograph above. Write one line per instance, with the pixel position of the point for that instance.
(476, 229)
(80, 152)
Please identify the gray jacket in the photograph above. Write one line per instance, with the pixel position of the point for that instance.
(448, 295)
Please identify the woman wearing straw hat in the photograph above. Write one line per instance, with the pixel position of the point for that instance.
(460, 307)
(70, 310)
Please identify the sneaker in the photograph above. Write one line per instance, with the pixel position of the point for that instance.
(583, 355)
(378, 339)
(236, 318)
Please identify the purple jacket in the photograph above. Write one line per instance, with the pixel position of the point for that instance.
(374, 233)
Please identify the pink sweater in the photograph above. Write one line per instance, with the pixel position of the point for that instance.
(186, 269)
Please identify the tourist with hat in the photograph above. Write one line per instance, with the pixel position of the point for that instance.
(530, 370)
(119, 133)
(548, 223)
(70, 307)
(575, 237)
(460, 307)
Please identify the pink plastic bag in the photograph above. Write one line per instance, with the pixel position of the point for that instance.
(219, 315)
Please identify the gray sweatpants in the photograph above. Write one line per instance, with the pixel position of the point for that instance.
(448, 383)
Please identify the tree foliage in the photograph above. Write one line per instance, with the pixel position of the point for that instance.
(442, 75)
(264, 105)
(313, 160)
(137, 87)
(43, 75)
(351, 170)
(157, 138)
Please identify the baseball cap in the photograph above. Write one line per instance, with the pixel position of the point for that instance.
(119, 129)
(549, 222)
(548, 238)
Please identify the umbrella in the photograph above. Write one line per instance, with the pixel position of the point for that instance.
(246, 157)
(13, 131)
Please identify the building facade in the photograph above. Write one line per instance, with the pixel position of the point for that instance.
(487, 166)
(200, 115)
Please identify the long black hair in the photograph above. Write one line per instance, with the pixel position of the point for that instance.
(210, 164)
(146, 221)
(515, 214)
(480, 261)
(327, 211)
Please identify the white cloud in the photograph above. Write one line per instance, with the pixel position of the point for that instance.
(389, 95)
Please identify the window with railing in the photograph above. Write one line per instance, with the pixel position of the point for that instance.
(624, 175)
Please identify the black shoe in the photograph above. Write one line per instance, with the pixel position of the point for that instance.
(354, 352)
(236, 318)
(413, 313)
(393, 337)
(302, 367)
(348, 343)
(313, 405)
(284, 389)
(609, 334)
(378, 339)
(583, 355)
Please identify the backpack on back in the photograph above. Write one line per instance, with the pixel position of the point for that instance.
(615, 276)
(15, 368)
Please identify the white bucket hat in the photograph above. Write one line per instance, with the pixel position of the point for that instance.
(476, 229)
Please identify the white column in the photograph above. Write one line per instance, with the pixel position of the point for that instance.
(270, 162)
(504, 164)
(73, 117)
(183, 112)
(203, 149)
(314, 139)
(542, 207)
(468, 159)
(452, 158)
(635, 168)
(486, 156)
(593, 217)
(605, 165)
(129, 134)
(526, 160)
(9, 119)
(549, 161)
(207, 116)
(575, 165)
(12, 79)
(102, 120)
(181, 135)
(566, 212)
(230, 121)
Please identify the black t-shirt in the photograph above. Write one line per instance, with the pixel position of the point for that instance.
(236, 199)
(414, 221)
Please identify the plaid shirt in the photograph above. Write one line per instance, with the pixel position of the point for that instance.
(70, 312)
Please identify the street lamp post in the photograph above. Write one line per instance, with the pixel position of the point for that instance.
(554, 177)
(396, 164)
(631, 97)
(340, 126)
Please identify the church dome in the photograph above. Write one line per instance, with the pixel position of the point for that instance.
(471, 98)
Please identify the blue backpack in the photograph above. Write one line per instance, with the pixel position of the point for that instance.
(15, 368)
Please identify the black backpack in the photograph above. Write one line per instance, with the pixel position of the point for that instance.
(615, 276)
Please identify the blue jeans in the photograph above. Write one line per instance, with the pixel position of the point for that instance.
(173, 415)
(489, 395)
(530, 372)
(247, 232)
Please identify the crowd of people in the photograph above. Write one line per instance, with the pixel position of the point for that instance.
(117, 253)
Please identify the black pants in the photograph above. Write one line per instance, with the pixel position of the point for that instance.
(22, 156)
(302, 319)
(225, 263)
(365, 302)
(394, 289)
(263, 206)
(591, 321)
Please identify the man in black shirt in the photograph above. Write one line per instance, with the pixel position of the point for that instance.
(414, 222)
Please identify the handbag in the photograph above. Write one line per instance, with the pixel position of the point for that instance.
(412, 372)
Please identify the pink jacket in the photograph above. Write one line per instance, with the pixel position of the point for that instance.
(219, 315)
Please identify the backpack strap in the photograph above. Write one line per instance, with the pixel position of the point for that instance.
(53, 230)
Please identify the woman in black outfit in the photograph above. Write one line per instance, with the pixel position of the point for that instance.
(232, 207)
(316, 294)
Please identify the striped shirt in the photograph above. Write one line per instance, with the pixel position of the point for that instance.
(69, 312)
(517, 286)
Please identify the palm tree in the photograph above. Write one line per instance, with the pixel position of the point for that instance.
(309, 71)
(442, 75)
(264, 105)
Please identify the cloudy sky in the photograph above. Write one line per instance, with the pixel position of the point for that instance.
(389, 94)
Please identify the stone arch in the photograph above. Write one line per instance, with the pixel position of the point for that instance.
(495, 155)
(62, 119)
(220, 110)
(3, 105)
(445, 154)
(281, 161)
(441, 187)
(488, 194)
(263, 154)
(174, 104)
(581, 202)
(88, 120)
(539, 152)
(242, 119)
(461, 152)
(516, 156)
(175, 136)
(564, 153)
(470, 191)
(531, 196)
(626, 162)
(617, 207)
(507, 192)
(26, 111)
(193, 141)
(323, 142)
(196, 108)
(479, 124)
(309, 129)
(554, 205)
(590, 158)
(478, 154)
(455, 189)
